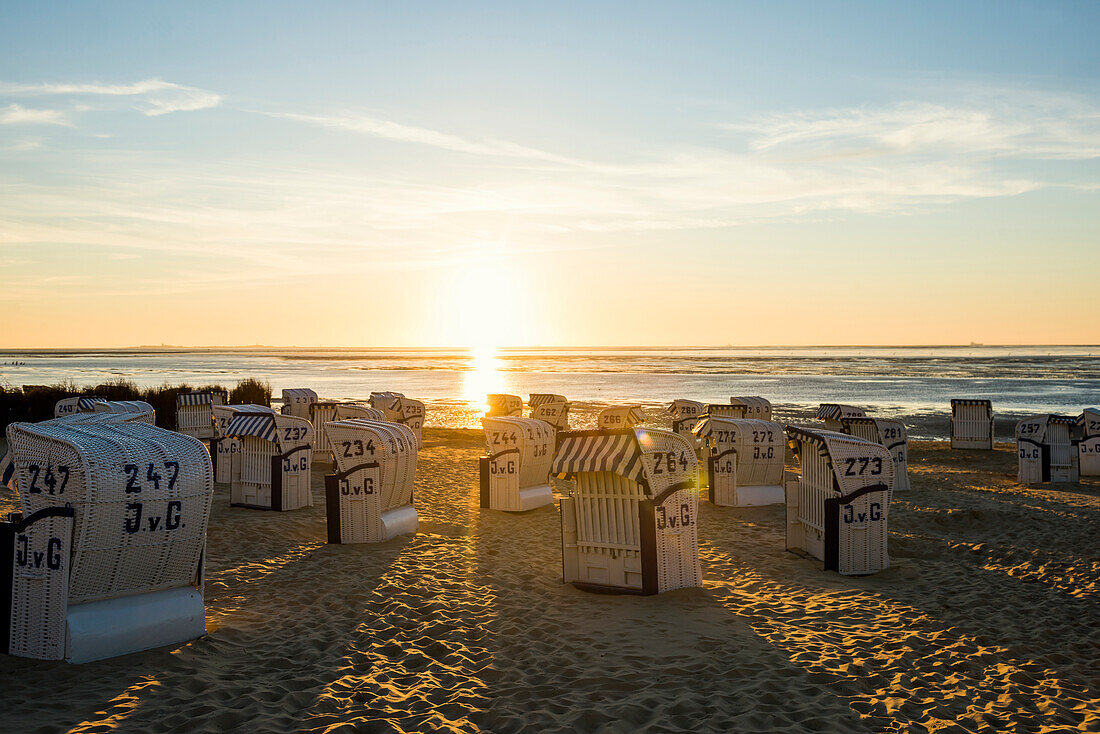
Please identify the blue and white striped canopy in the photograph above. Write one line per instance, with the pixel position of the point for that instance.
(194, 398)
(252, 420)
(542, 398)
(589, 451)
(88, 404)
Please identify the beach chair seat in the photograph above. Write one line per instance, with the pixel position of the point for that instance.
(515, 474)
(504, 405)
(274, 461)
(754, 407)
(838, 505)
(195, 412)
(971, 424)
(397, 408)
(105, 556)
(296, 401)
(630, 524)
(1088, 448)
(550, 408)
(1047, 449)
(889, 433)
(831, 413)
(69, 406)
(368, 498)
(141, 411)
(744, 460)
(620, 417)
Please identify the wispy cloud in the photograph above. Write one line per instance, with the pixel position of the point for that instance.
(159, 97)
(15, 114)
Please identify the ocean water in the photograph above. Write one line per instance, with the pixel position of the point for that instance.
(915, 384)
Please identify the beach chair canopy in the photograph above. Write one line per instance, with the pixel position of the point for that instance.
(958, 403)
(754, 407)
(1034, 429)
(836, 411)
(620, 418)
(682, 408)
(139, 408)
(1088, 423)
(501, 404)
(215, 397)
(621, 452)
(541, 398)
(68, 406)
(846, 455)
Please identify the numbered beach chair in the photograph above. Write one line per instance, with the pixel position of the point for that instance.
(504, 405)
(321, 414)
(1088, 450)
(754, 407)
(685, 415)
(347, 411)
(515, 474)
(296, 401)
(889, 433)
(275, 459)
(620, 418)
(1047, 450)
(971, 424)
(69, 406)
(105, 556)
(368, 499)
(195, 413)
(630, 523)
(839, 503)
(744, 460)
(552, 409)
(140, 410)
(831, 413)
(397, 408)
(224, 449)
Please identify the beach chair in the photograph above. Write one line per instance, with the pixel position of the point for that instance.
(224, 448)
(397, 408)
(831, 413)
(724, 410)
(296, 401)
(347, 411)
(69, 406)
(889, 433)
(272, 467)
(1047, 449)
(195, 413)
(685, 414)
(838, 505)
(141, 411)
(515, 474)
(504, 405)
(322, 413)
(1088, 449)
(105, 556)
(552, 409)
(620, 418)
(744, 460)
(630, 523)
(971, 424)
(368, 498)
(754, 407)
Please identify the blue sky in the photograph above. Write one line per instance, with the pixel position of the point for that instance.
(608, 173)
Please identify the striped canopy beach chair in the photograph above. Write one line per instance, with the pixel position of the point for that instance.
(368, 499)
(105, 556)
(1088, 449)
(296, 401)
(754, 407)
(504, 405)
(631, 522)
(1046, 448)
(971, 424)
(744, 460)
(195, 413)
(397, 408)
(889, 433)
(831, 413)
(515, 474)
(271, 468)
(620, 417)
(839, 503)
(141, 411)
(550, 408)
(69, 406)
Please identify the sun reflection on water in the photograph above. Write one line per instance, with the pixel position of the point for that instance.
(483, 376)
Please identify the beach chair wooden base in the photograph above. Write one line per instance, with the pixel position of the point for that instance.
(350, 518)
(111, 627)
(847, 542)
(498, 493)
(1088, 453)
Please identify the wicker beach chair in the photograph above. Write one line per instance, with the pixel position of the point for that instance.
(504, 405)
(831, 413)
(1047, 449)
(69, 406)
(272, 467)
(141, 411)
(397, 408)
(685, 415)
(630, 523)
(971, 424)
(550, 408)
(744, 460)
(321, 414)
(838, 505)
(224, 449)
(889, 433)
(106, 556)
(515, 474)
(754, 407)
(296, 401)
(368, 498)
(620, 418)
(195, 413)
(1088, 449)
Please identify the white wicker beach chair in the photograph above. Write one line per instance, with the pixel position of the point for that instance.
(754, 407)
(831, 413)
(368, 499)
(1047, 449)
(69, 406)
(322, 413)
(620, 418)
(195, 413)
(1088, 449)
(224, 449)
(685, 415)
(630, 523)
(839, 503)
(142, 411)
(397, 408)
(515, 474)
(889, 433)
(273, 464)
(106, 556)
(296, 401)
(504, 405)
(553, 409)
(971, 424)
(744, 460)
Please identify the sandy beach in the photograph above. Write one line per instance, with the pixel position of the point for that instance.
(985, 622)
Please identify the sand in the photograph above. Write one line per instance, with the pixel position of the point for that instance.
(987, 621)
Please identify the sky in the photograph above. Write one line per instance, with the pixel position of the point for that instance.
(514, 174)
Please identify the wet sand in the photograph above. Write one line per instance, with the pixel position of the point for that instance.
(986, 622)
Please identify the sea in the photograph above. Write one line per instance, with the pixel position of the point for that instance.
(914, 384)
